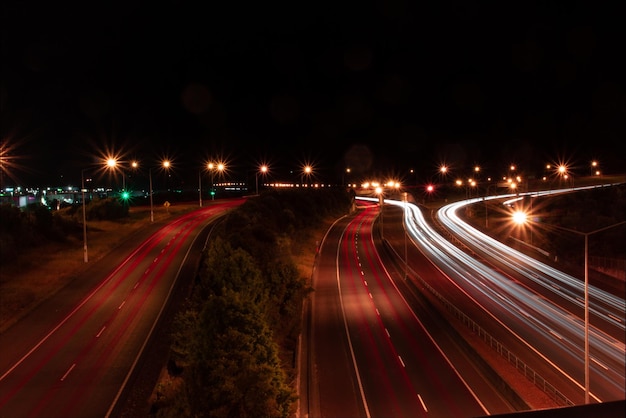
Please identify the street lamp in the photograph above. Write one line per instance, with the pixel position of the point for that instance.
(133, 165)
(114, 164)
(263, 169)
(495, 185)
(200, 187)
(564, 175)
(151, 204)
(212, 167)
(521, 218)
(82, 188)
(468, 186)
(166, 165)
(406, 267)
(346, 173)
(111, 164)
(306, 171)
(381, 202)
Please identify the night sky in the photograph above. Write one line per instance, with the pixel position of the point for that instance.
(377, 86)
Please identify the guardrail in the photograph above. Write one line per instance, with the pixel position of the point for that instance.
(493, 343)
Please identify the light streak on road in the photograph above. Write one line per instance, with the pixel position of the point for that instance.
(79, 361)
(566, 286)
(544, 326)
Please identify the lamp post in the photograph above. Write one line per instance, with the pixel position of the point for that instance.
(200, 187)
(406, 267)
(347, 172)
(82, 188)
(211, 167)
(381, 203)
(151, 204)
(111, 164)
(521, 218)
(114, 164)
(586, 235)
(306, 171)
(564, 175)
(166, 165)
(263, 169)
(134, 165)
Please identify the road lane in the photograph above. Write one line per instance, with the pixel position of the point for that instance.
(76, 367)
(397, 369)
(547, 336)
(608, 311)
(431, 383)
(329, 385)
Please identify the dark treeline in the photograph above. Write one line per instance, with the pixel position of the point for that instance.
(234, 342)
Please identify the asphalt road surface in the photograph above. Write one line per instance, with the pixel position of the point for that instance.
(72, 356)
(369, 353)
(529, 312)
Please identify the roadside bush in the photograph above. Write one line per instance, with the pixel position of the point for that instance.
(108, 209)
(18, 230)
(245, 308)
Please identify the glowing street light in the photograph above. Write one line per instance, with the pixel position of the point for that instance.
(82, 188)
(347, 174)
(209, 167)
(306, 171)
(213, 167)
(594, 168)
(263, 170)
(381, 202)
(200, 187)
(413, 172)
(166, 164)
(134, 165)
(112, 164)
(406, 265)
(521, 218)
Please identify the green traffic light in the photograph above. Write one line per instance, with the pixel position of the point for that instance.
(125, 195)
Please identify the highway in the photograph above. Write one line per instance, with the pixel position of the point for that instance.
(370, 353)
(72, 356)
(530, 310)
(608, 310)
